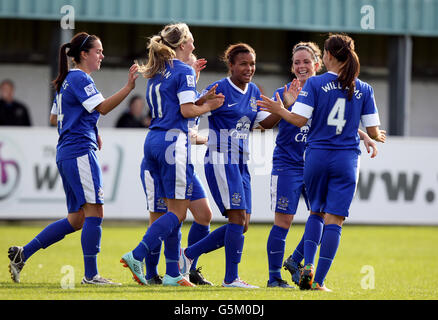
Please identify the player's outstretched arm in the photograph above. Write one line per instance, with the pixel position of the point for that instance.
(290, 94)
(209, 102)
(377, 134)
(110, 103)
(277, 107)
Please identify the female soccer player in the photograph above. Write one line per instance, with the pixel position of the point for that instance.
(199, 205)
(287, 182)
(171, 95)
(79, 105)
(337, 102)
(226, 159)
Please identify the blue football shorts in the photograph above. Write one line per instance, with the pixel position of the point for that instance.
(331, 179)
(166, 170)
(286, 189)
(229, 183)
(155, 196)
(82, 181)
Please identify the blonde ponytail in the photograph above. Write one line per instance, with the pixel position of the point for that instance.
(162, 48)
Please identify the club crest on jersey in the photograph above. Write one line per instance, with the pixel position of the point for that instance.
(160, 204)
(236, 199)
(253, 104)
(283, 203)
(90, 90)
(100, 194)
(242, 129)
(191, 81)
(190, 190)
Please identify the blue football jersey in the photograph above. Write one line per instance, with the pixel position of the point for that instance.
(335, 119)
(290, 144)
(166, 92)
(194, 122)
(77, 118)
(230, 124)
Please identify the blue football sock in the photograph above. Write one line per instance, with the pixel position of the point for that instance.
(298, 254)
(51, 234)
(275, 247)
(312, 237)
(329, 246)
(90, 240)
(151, 262)
(172, 245)
(197, 232)
(234, 240)
(214, 240)
(157, 232)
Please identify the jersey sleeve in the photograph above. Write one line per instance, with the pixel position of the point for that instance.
(370, 115)
(261, 115)
(54, 109)
(186, 91)
(306, 100)
(86, 92)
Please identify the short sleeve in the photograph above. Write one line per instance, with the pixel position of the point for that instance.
(86, 92)
(306, 100)
(54, 109)
(261, 115)
(370, 115)
(186, 91)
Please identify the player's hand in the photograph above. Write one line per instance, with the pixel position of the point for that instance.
(212, 99)
(210, 93)
(381, 137)
(370, 144)
(99, 142)
(267, 104)
(200, 65)
(133, 76)
(290, 94)
(216, 101)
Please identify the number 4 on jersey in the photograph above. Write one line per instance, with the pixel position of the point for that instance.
(336, 116)
(60, 115)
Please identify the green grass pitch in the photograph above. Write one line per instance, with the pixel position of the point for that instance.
(373, 262)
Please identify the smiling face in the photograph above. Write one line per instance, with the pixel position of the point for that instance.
(303, 65)
(243, 69)
(91, 60)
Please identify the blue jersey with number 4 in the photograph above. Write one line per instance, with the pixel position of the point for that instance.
(77, 118)
(335, 119)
